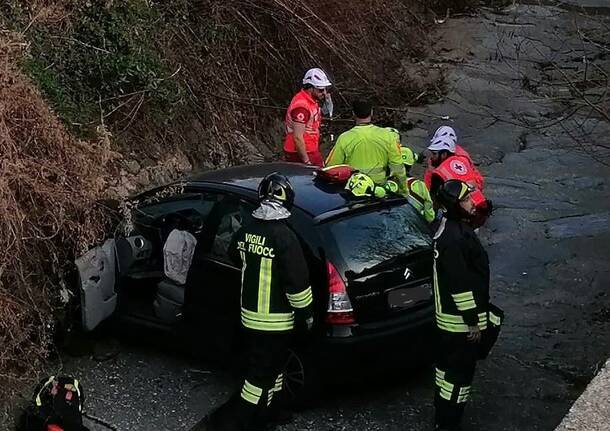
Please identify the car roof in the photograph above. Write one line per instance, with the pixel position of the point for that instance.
(311, 195)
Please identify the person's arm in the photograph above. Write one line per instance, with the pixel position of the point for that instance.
(336, 155)
(459, 282)
(295, 278)
(299, 142)
(428, 211)
(300, 116)
(397, 168)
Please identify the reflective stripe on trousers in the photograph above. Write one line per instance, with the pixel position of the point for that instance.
(450, 391)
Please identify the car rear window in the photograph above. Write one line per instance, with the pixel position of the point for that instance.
(365, 240)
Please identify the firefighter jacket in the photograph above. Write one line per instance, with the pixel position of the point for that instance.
(419, 197)
(461, 278)
(312, 123)
(274, 276)
(373, 151)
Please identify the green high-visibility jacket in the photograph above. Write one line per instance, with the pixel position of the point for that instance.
(372, 150)
(419, 197)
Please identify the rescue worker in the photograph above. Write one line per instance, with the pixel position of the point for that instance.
(369, 149)
(447, 165)
(304, 117)
(417, 192)
(443, 146)
(461, 297)
(275, 293)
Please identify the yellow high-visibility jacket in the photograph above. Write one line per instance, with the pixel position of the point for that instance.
(372, 150)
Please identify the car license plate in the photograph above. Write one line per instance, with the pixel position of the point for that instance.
(406, 297)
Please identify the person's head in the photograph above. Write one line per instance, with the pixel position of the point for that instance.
(445, 131)
(455, 197)
(363, 110)
(408, 158)
(441, 148)
(317, 83)
(276, 187)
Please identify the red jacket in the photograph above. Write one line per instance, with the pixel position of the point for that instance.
(312, 127)
(457, 167)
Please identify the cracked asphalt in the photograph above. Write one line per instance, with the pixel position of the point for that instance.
(548, 241)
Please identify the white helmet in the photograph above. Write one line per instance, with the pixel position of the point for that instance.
(445, 131)
(316, 78)
(442, 143)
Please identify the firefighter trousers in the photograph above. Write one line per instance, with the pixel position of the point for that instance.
(455, 364)
(265, 355)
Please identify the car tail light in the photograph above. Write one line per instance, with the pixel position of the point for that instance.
(340, 311)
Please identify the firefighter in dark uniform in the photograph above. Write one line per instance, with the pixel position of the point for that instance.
(275, 294)
(461, 294)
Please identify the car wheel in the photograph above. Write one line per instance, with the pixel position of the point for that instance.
(300, 379)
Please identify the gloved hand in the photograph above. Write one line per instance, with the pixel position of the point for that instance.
(391, 186)
(379, 192)
(309, 323)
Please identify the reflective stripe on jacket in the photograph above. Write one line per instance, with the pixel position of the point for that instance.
(312, 128)
(460, 278)
(274, 276)
(372, 150)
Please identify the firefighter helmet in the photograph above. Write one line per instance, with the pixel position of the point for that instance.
(449, 196)
(276, 187)
(361, 185)
(409, 158)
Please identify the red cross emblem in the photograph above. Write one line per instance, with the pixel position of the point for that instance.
(458, 167)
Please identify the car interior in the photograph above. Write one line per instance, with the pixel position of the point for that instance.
(145, 292)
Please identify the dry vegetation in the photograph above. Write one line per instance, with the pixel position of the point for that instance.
(202, 80)
(49, 182)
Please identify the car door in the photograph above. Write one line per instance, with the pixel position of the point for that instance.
(97, 272)
(105, 272)
(213, 303)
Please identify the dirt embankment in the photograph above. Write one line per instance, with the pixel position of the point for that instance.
(100, 99)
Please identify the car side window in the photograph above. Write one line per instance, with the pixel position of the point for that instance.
(194, 207)
(232, 214)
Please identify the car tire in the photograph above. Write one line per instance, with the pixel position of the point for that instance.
(301, 379)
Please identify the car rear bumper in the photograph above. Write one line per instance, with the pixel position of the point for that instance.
(394, 337)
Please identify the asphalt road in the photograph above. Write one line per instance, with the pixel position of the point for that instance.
(549, 244)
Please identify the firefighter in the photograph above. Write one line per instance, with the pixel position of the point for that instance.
(304, 117)
(371, 150)
(275, 294)
(417, 192)
(461, 296)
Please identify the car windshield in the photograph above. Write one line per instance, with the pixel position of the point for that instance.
(365, 240)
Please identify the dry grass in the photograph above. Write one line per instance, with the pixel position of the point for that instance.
(49, 183)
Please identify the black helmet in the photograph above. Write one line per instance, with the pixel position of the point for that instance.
(449, 196)
(276, 187)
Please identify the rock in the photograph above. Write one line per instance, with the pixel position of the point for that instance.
(133, 167)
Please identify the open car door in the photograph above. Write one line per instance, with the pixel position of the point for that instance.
(97, 272)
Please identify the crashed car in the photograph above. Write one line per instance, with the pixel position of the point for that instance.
(370, 263)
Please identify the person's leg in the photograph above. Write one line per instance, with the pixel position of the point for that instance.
(454, 372)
